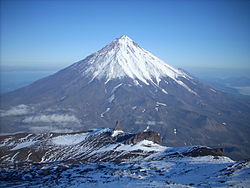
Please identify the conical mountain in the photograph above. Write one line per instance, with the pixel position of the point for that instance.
(124, 58)
(124, 82)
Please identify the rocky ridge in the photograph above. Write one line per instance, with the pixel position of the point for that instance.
(113, 158)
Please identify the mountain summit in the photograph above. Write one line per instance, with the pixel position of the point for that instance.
(124, 58)
(124, 82)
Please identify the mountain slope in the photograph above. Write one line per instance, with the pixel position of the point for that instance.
(124, 82)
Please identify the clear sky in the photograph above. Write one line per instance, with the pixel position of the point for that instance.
(212, 33)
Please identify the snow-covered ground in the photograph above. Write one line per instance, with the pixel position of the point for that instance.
(69, 139)
(109, 158)
(174, 172)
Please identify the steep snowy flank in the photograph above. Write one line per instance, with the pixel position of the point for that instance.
(124, 58)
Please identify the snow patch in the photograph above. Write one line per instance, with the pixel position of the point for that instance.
(102, 114)
(110, 99)
(69, 139)
(213, 90)
(136, 83)
(116, 133)
(164, 91)
(134, 107)
(147, 129)
(144, 145)
(160, 104)
(116, 87)
(24, 145)
(186, 87)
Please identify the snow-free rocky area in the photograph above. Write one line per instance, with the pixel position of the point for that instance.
(113, 158)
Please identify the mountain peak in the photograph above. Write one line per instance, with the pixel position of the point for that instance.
(124, 37)
(124, 58)
(124, 40)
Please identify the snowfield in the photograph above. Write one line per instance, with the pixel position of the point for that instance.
(69, 139)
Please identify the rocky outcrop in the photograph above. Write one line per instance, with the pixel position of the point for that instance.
(117, 126)
(128, 138)
(204, 151)
(149, 135)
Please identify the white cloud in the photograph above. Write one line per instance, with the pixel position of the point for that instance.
(151, 122)
(54, 118)
(139, 122)
(21, 109)
(50, 128)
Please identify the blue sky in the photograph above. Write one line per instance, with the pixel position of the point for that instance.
(212, 33)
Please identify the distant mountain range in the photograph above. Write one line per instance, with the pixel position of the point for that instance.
(122, 81)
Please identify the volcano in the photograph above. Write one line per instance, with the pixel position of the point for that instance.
(125, 82)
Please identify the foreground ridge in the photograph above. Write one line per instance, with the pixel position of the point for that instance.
(88, 146)
(100, 158)
(98, 145)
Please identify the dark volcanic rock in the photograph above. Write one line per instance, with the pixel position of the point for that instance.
(205, 151)
(117, 126)
(149, 135)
